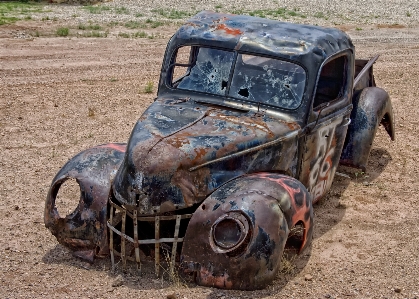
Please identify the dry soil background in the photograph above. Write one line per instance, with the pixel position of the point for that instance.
(60, 95)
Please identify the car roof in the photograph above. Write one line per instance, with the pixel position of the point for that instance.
(310, 45)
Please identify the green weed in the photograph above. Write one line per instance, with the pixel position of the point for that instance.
(171, 13)
(140, 34)
(96, 9)
(89, 27)
(62, 31)
(358, 174)
(154, 24)
(134, 24)
(12, 11)
(280, 12)
(122, 10)
(149, 87)
(113, 24)
(7, 20)
(19, 7)
(124, 34)
(95, 34)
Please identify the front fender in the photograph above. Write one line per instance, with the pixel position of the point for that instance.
(235, 239)
(84, 230)
(372, 107)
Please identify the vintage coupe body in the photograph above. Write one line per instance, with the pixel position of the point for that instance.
(251, 120)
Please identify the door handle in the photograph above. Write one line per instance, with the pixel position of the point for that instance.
(348, 121)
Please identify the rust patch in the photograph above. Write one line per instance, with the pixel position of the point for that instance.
(192, 185)
(228, 30)
(209, 279)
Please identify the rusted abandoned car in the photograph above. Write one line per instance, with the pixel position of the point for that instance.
(251, 120)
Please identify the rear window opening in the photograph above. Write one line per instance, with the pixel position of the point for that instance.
(331, 83)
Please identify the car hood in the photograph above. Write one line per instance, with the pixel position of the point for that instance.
(181, 150)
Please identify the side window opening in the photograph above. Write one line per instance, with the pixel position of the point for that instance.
(182, 64)
(331, 82)
(207, 70)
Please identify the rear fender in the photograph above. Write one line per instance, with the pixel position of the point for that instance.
(371, 107)
(236, 237)
(84, 230)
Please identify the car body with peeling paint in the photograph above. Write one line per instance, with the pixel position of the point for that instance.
(251, 120)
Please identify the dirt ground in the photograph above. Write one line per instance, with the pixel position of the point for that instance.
(59, 96)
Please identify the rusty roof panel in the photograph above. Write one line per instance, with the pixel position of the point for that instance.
(258, 35)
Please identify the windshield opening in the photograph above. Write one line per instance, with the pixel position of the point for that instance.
(257, 79)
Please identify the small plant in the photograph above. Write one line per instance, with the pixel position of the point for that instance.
(218, 6)
(113, 79)
(91, 112)
(124, 34)
(139, 15)
(140, 34)
(358, 29)
(12, 11)
(319, 15)
(122, 10)
(134, 24)
(95, 27)
(149, 87)
(172, 271)
(408, 14)
(281, 12)
(113, 24)
(62, 31)
(89, 27)
(287, 265)
(358, 174)
(45, 18)
(88, 81)
(154, 24)
(96, 9)
(171, 13)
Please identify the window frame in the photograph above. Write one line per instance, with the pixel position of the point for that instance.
(170, 83)
(344, 91)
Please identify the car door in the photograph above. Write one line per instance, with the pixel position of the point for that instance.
(328, 124)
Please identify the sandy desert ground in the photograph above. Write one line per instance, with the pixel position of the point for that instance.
(60, 95)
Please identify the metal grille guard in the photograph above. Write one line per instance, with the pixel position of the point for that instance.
(136, 242)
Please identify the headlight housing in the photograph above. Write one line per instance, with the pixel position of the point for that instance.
(229, 232)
